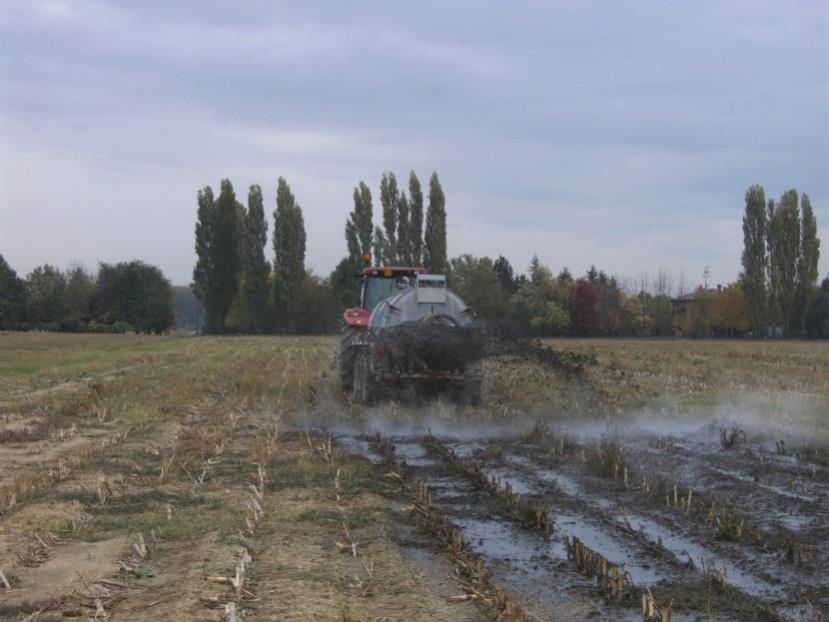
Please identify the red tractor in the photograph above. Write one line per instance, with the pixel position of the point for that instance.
(393, 340)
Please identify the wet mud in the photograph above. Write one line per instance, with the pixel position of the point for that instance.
(736, 533)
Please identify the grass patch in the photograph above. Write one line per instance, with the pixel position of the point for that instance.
(191, 516)
(358, 517)
(701, 596)
(302, 472)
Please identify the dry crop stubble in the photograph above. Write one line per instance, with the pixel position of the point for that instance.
(230, 402)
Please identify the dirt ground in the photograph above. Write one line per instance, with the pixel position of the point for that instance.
(228, 479)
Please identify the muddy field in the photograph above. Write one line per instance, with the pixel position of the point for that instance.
(227, 479)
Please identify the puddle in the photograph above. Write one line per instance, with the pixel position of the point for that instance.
(413, 453)
(449, 488)
(750, 480)
(564, 483)
(463, 449)
(794, 522)
(519, 484)
(683, 547)
(525, 557)
(524, 564)
(359, 447)
(598, 539)
(677, 544)
(498, 539)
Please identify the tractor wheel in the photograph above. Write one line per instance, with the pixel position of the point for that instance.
(348, 353)
(363, 383)
(347, 369)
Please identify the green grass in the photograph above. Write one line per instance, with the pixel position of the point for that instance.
(191, 518)
(30, 354)
(356, 476)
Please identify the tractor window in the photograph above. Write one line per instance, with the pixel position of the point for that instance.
(377, 289)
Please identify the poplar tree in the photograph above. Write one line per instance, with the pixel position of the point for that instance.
(289, 256)
(754, 256)
(434, 256)
(415, 219)
(784, 251)
(380, 246)
(359, 234)
(404, 246)
(255, 268)
(204, 263)
(359, 227)
(809, 244)
(389, 199)
(216, 274)
(807, 262)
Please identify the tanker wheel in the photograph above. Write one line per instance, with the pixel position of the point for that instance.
(363, 386)
(467, 392)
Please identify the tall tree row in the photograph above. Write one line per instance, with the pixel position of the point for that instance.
(777, 291)
(218, 251)
(232, 277)
(415, 219)
(754, 256)
(434, 238)
(807, 263)
(780, 261)
(289, 257)
(390, 201)
(399, 238)
(359, 227)
(255, 268)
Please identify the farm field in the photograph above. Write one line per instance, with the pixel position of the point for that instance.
(167, 478)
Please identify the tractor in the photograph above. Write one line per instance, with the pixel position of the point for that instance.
(410, 338)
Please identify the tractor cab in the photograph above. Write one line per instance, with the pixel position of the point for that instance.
(378, 283)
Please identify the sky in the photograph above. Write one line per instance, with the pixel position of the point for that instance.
(621, 134)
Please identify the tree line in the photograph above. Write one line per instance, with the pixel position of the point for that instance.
(776, 295)
(119, 298)
(242, 291)
(780, 258)
(546, 304)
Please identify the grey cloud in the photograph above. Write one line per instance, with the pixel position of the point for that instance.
(620, 121)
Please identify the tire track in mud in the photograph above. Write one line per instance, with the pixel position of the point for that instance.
(757, 571)
(682, 553)
(773, 478)
(536, 571)
(789, 524)
(652, 550)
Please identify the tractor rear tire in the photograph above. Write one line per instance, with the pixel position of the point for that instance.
(348, 353)
(347, 369)
(363, 386)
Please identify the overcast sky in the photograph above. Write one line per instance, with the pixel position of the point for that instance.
(617, 133)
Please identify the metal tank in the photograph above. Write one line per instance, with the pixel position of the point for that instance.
(414, 342)
(426, 298)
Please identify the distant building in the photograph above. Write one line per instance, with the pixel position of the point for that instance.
(682, 304)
